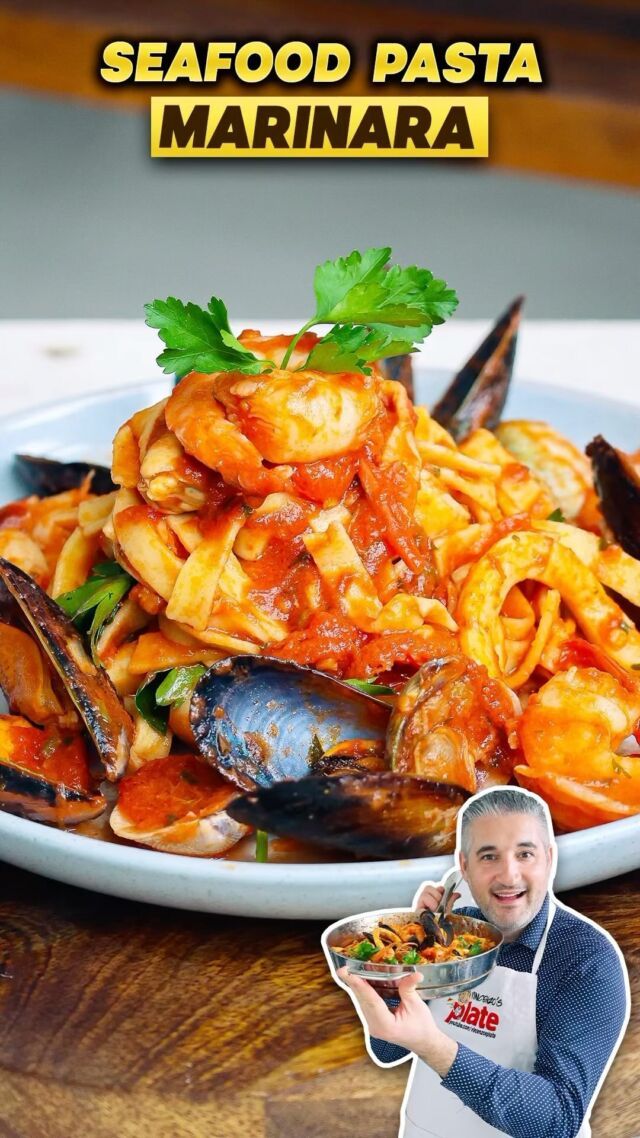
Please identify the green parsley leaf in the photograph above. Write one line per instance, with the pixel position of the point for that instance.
(349, 347)
(412, 957)
(199, 340)
(178, 684)
(370, 688)
(364, 951)
(333, 280)
(399, 304)
(556, 516)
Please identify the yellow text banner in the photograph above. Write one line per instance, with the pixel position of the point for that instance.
(322, 127)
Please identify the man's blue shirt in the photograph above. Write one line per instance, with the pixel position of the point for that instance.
(581, 1006)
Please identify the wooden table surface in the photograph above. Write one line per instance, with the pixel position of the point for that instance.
(132, 1020)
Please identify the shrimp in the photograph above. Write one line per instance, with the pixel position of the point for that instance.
(199, 422)
(301, 416)
(571, 734)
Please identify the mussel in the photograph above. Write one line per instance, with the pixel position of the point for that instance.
(32, 795)
(88, 686)
(618, 486)
(262, 720)
(368, 815)
(47, 476)
(399, 368)
(309, 751)
(44, 774)
(477, 394)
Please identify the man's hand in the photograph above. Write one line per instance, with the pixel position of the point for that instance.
(431, 897)
(411, 1025)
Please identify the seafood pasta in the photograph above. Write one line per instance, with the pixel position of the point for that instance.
(407, 944)
(311, 608)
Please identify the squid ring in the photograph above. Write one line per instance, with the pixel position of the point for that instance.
(533, 556)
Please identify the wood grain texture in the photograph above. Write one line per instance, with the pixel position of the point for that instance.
(585, 124)
(152, 1021)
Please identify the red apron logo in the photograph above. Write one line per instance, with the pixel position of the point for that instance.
(473, 1017)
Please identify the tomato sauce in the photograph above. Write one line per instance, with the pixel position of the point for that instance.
(327, 480)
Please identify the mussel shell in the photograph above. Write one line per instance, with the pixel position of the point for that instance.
(368, 815)
(47, 476)
(261, 720)
(88, 686)
(477, 394)
(399, 368)
(31, 795)
(618, 488)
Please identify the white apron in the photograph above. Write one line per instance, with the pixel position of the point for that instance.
(499, 1022)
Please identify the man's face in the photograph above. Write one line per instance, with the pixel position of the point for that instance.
(508, 868)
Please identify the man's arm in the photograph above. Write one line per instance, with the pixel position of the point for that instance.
(390, 1053)
(576, 1041)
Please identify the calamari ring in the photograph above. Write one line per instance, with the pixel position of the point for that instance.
(531, 556)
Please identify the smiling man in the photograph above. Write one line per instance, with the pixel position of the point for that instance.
(525, 1053)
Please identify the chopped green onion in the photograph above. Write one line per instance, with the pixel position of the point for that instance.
(475, 949)
(145, 701)
(370, 688)
(178, 684)
(556, 516)
(101, 595)
(262, 845)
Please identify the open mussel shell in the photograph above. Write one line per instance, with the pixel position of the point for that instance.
(369, 815)
(89, 687)
(618, 487)
(399, 368)
(261, 720)
(477, 394)
(31, 795)
(47, 476)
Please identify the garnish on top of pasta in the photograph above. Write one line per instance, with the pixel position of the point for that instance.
(451, 576)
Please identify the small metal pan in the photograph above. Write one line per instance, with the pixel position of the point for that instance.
(436, 980)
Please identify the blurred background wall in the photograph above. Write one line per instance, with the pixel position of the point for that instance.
(91, 226)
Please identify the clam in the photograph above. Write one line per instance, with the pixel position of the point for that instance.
(178, 805)
(88, 686)
(618, 486)
(477, 394)
(429, 733)
(382, 815)
(47, 476)
(262, 720)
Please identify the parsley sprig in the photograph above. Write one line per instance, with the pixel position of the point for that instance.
(375, 310)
